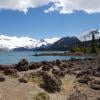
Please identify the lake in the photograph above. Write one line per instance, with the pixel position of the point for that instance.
(13, 57)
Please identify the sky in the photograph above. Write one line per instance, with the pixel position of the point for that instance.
(48, 18)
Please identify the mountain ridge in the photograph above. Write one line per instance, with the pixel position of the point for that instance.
(65, 43)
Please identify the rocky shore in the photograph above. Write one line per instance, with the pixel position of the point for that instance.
(51, 80)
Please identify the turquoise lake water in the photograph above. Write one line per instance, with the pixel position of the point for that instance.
(13, 57)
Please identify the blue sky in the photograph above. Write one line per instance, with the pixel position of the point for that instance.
(38, 24)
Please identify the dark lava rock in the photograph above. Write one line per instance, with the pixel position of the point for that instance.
(77, 95)
(98, 68)
(44, 62)
(69, 71)
(95, 84)
(46, 68)
(23, 80)
(12, 72)
(55, 71)
(51, 83)
(22, 65)
(59, 73)
(96, 74)
(98, 98)
(58, 62)
(84, 72)
(3, 67)
(53, 63)
(84, 79)
(34, 66)
(63, 66)
(2, 79)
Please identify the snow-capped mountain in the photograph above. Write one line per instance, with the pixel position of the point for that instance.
(12, 42)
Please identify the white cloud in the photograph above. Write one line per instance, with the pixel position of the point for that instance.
(61, 6)
(12, 42)
(21, 5)
(69, 6)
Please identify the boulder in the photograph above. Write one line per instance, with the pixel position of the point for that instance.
(96, 74)
(2, 79)
(95, 84)
(53, 63)
(11, 72)
(46, 68)
(34, 66)
(98, 69)
(70, 71)
(22, 65)
(77, 95)
(98, 98)
(58, 73)
(84, 79)
(83, 72)
(61, 73)
(44, 62)
(62, 68)
(51, 83)
(58, 62)
(55, 71)
(65, 65)
(3, 67)
(42, 96)
(24, 79)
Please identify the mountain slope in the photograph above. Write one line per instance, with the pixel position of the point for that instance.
(64, 43)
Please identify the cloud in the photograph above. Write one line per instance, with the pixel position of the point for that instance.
(12, 42)
(21, 5)
(61, 6)
(69, 6)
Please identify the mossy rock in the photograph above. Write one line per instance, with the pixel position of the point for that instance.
(77, 95)
(23, 65)
(2, 79)
(24, 79)
(42, 96)
(34, 66)
(84, 79)
(51, 83)
(46, 68)
(58, 62)
(95, 84)
(11, 73)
